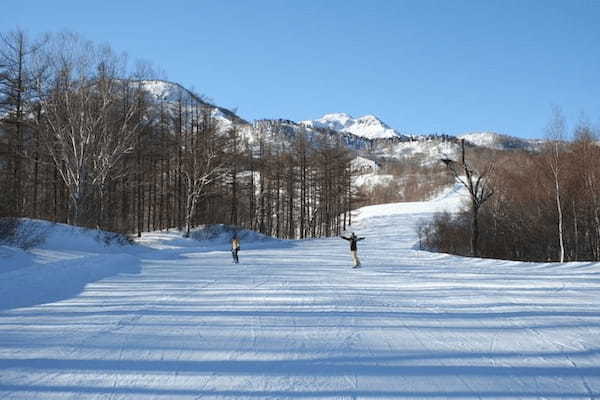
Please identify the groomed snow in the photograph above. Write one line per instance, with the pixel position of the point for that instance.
(172, 318)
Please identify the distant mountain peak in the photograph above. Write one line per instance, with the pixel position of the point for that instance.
(338, 116)
(367, 126)
(370, 117)
(372, 120)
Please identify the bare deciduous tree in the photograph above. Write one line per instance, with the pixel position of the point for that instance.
(204, 162)
(17, 52)
(478, 185)
(555, 133)
(87, 121)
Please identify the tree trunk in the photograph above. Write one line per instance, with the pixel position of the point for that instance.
(560, 220)
(475, 232)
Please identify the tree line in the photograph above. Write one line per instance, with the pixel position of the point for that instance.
(85, 140)
(531, 206)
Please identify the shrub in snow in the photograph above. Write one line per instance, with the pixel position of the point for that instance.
(8, 229)
(224, 233)
(446, 233)
(113, 238)
(27, 234)
(22, 233)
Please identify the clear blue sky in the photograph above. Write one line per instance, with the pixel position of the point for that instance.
(444, 66)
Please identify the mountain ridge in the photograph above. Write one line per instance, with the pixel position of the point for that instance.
(368, 126)
(367, 134)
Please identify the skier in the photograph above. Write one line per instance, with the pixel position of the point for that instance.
(353, 249)
(235, 247)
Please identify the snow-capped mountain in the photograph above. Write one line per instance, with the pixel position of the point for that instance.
(368, 136)
(171, 93)
(368, 126)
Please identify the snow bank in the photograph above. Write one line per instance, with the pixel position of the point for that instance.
(224, 233)
(50, 235)
(12, 258)
(212, 237)
(44, 283)
(61, 261)
(219, 235)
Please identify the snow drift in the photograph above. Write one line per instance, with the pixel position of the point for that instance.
(65, 258)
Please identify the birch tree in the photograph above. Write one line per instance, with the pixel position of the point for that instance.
(203, 162)
(555, 133)
(87, 123)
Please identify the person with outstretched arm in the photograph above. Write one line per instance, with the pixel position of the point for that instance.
(353, 248)
(235, 247)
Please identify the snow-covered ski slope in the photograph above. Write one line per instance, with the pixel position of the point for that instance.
(294, 321)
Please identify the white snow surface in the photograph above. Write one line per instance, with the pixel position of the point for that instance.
(171, 92)
(499, 141)
(372, 179)
(427, 152)
(368, 126)
(484, 139)
(363, 165)
(173, 318)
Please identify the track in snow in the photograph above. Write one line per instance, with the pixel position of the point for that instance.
(295, 321)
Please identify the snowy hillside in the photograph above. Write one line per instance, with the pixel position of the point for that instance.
(371, 180)
(367, 135)
(427, 152)
(282, 133)
(361, 165)
(172, 318)
(65, 259)
(498, 141)
(171, 93)
(368, 126)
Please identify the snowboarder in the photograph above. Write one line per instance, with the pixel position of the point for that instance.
(353, 249)
(235, 247)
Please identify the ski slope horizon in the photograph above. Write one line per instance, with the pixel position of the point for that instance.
(173, 318)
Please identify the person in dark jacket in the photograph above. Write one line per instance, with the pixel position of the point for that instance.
(353, 248)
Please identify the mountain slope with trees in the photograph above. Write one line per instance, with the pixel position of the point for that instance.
(89, 143)
(88, 140)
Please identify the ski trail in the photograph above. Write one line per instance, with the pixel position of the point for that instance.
(293, 320)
